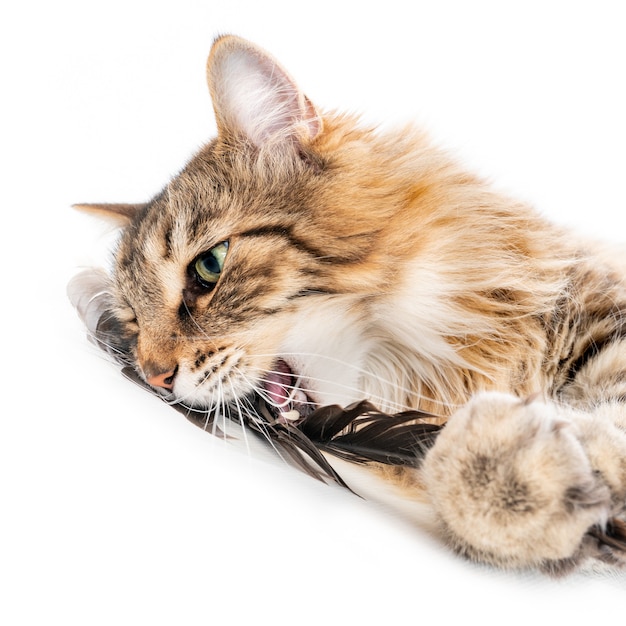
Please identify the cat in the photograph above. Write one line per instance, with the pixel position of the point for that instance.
(311, 260)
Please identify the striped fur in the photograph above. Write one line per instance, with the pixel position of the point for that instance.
(375, 267)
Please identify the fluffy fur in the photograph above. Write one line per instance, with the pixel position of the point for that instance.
(364, 265)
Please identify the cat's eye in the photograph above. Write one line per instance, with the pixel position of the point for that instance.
(208, 266)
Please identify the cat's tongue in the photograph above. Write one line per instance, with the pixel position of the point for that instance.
(279, 383)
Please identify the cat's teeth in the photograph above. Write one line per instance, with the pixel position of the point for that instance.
(290, 416)
(300, 397)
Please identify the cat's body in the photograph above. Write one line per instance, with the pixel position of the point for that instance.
(305, 258)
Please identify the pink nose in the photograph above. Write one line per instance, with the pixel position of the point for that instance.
(165, 380)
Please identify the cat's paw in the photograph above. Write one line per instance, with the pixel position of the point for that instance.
(513, 485)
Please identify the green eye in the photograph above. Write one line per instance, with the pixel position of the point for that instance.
(208, 266)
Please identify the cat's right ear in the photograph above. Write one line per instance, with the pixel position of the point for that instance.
(253, 96)
(119, 214)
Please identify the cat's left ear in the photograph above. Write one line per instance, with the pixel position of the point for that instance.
(120, 214)
(255, 97)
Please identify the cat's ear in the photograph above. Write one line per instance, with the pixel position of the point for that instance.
(255, 97)
(120, 214)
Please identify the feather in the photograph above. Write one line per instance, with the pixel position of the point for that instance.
(400, 439)
(358, 433)
(611, 540)
(290, 440)
(90, 294)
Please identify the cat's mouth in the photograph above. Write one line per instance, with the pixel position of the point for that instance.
(284, 395)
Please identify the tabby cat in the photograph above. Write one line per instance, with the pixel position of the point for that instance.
(312, 261)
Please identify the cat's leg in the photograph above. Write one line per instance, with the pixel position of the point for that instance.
(529, 483)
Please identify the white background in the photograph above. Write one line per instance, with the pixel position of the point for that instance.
(116, 510)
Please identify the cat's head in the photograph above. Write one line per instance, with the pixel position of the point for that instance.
(252, 269)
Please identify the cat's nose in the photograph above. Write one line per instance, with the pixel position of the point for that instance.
(165, 380)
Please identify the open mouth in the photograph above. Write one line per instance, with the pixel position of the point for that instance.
(285, 398)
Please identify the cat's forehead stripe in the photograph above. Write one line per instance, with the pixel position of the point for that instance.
(309, 247)
(163, 262)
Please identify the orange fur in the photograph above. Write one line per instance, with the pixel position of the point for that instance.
(376, 267)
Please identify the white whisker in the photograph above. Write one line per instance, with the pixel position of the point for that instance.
(261, 427)
(373, 398)
(111, 349)
(446, 406)
(237, 404)
(222, 412)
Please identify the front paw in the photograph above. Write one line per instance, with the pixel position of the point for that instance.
(513, 485)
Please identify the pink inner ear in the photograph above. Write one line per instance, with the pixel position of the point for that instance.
(253, 95)
(313, 120)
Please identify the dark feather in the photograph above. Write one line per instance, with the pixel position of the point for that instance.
(90, 293)
(611, 541)
(359, 433)
(288, 439)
